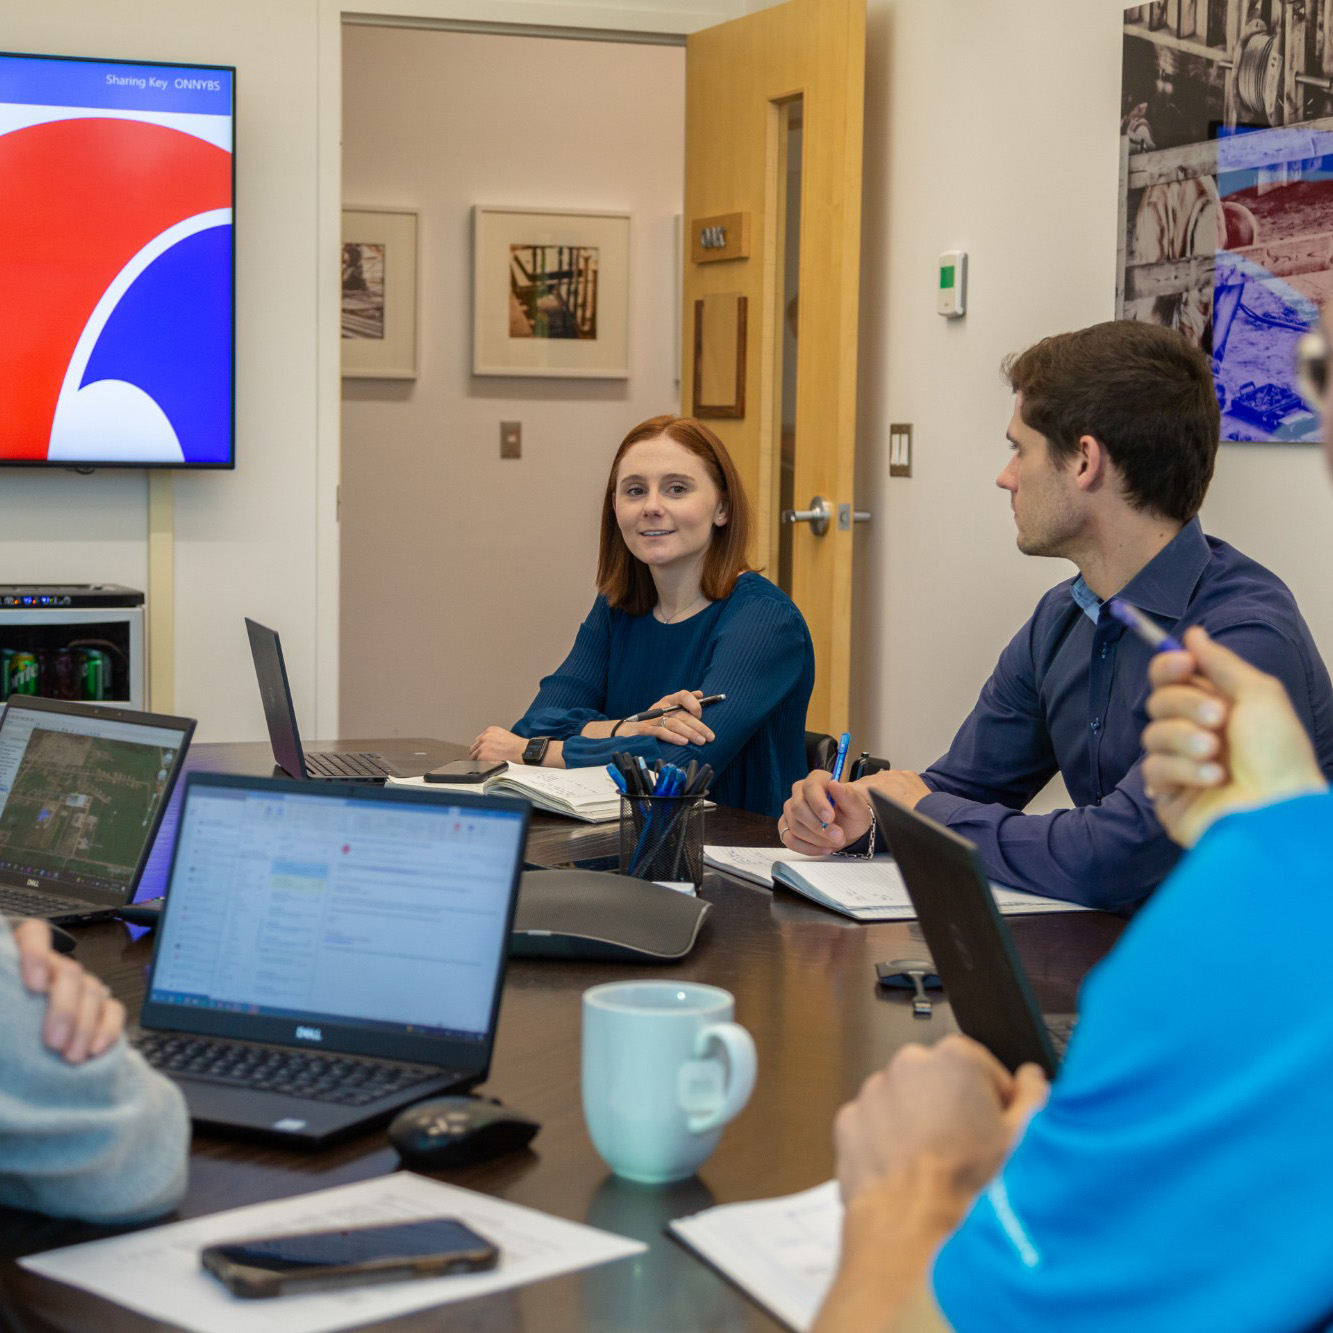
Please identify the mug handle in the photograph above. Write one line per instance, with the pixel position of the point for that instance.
(741, 1065)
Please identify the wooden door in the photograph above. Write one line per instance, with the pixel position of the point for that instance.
(773, 122)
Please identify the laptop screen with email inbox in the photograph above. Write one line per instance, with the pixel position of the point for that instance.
(81, 791)
(361, 912)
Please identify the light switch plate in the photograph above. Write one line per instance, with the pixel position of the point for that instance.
(900, 449)
(511, 439)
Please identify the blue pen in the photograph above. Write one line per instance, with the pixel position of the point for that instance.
(839, 761)
(618, 778)
(1133, 619)
(660, 819)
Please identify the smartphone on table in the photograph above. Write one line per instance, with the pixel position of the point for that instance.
(322, 1260)
(465, 770)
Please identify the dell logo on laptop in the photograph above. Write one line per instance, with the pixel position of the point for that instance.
(308, 1034)
(33, 883)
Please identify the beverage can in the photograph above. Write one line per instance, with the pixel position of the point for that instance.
(92, 673)
(24, 673)
(62, 682)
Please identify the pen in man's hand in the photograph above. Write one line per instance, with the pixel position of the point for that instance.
(840, 760)
(1153, 635)
(673, 708)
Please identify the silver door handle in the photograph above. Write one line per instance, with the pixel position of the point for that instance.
(847, 516)
(817, 516)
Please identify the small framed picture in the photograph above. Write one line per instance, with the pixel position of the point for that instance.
(379, 293)
(550, 293)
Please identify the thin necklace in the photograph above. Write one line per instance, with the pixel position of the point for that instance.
(671, 620)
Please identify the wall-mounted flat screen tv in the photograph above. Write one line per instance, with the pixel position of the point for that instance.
(117, 263)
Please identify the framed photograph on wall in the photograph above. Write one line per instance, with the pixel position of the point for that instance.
(550, 293)
(379, 293)
(1225, 226)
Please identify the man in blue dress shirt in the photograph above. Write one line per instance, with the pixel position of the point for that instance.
(1114, 436)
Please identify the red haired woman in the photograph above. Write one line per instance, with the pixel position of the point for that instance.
(679, 615)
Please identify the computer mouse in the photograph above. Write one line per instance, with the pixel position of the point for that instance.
(898, 973)
(457, 1131)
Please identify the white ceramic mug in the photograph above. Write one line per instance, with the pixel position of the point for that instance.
(655, 1094)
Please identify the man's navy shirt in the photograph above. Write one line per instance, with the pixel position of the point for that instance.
(1069, 694)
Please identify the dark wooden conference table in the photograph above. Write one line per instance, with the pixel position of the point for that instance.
(804, 983)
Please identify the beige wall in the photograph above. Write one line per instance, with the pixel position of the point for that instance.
(464, 576)
(1006, 146)
(1012, 157)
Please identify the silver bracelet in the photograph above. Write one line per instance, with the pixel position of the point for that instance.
(869, 852)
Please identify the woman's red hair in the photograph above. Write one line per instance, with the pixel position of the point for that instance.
(625, 581)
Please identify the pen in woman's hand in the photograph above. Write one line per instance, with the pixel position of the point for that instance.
(673, 708)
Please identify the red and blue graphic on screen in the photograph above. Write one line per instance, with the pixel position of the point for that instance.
(116, 263)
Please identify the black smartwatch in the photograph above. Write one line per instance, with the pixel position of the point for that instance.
(535, 751)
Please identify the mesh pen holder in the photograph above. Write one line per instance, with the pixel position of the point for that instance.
(662, 838)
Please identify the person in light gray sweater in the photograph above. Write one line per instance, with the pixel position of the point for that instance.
(87, 1129)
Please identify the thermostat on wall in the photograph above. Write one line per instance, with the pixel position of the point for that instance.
(952, 299)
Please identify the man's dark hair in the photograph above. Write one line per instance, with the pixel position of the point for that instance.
(1140, 390)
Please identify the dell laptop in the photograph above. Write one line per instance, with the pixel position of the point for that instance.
(280, 714)
(329, 952)
(82, 791)
(973, 951)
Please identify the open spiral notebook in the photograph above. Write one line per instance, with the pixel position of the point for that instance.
(863, 890)
(578, 793)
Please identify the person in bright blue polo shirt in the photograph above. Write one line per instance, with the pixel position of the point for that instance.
(1178, 1177)
(1114, 436)
(679, 616)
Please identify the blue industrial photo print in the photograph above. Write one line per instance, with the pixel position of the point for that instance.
(1226, 195)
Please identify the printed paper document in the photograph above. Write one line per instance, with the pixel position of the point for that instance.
(780, 1252)
(156, 1272)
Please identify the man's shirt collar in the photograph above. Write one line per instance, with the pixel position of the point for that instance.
(1164, 586)
(1089, 603)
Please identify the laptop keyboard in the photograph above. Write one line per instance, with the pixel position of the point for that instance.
(323, 1078)
(334, 764)
(23, 902)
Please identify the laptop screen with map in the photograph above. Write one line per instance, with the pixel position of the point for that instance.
(82, 791)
